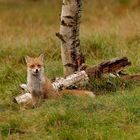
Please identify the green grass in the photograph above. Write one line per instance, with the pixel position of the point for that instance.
(108, 29)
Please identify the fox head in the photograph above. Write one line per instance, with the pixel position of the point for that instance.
(35, 65)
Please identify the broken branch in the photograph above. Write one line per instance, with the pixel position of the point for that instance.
(111, 66)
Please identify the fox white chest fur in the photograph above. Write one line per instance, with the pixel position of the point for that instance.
(35, 83)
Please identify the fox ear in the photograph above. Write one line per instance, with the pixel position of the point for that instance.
(41, 57)
(27, 58)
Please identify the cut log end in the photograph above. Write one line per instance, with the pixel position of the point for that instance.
(23, 98)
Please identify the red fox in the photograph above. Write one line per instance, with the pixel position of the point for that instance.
(40, 86)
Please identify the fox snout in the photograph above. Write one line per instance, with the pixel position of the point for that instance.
(36, 71)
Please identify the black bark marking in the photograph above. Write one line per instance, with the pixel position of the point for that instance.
(69, 17)
(60, 37)
(69, 65)
(66, 24)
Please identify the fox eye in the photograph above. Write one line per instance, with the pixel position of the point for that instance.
(39, 65)
(32, 66)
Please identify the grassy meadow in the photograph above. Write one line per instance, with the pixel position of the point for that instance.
(109, 28)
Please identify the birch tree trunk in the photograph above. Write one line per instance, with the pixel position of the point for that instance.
(69, 35)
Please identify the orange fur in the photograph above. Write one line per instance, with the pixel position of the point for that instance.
(39, 86)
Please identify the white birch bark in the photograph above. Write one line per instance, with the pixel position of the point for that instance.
(69, 34)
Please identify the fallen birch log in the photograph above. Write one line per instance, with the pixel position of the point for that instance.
(61, 83)
(114, 65)
(70, 80)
